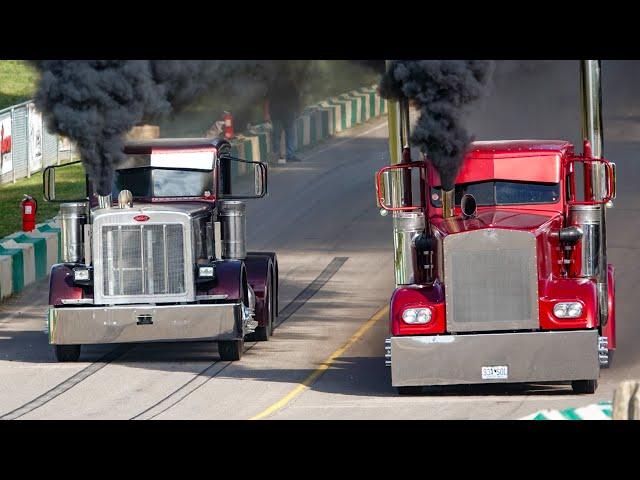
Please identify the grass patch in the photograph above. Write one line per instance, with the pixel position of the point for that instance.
(18, 82)
(70, 184)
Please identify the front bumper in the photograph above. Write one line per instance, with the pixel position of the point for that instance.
(458, 359)
(144, 323)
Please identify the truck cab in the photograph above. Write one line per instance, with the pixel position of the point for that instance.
(503, 278)
(163, 257)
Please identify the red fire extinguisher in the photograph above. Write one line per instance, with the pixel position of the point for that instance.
(29, 209)
(228, 125)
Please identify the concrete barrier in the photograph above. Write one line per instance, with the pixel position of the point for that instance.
(626, 401)
(6, 276)
(24, 262)
(28, 256)
(356, 107)
(365, 106)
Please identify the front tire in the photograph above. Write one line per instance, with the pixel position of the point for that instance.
(412, 390)
(584, 386)
(67, 353)
(230, 350)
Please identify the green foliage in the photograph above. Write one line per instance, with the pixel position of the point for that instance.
(17, 82)
(70, 184)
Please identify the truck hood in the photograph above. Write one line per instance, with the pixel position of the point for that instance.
(497, 218)
(140, 208)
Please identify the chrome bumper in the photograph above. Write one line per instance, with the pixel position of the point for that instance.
(458, 359)
(145, 323)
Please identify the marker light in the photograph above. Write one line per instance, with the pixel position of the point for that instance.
(416, 315)
(567, 309)
(205, 272)
(81, 274)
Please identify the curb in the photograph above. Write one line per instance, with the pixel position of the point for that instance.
(595, 411)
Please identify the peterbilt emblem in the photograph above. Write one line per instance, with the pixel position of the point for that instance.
(141, 218)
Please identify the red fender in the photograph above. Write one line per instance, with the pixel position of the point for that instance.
(568, 289)
(415, 296)
(258, 267)
(609, 329)
(61, 286)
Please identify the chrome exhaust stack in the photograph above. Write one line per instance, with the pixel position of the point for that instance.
(407, 226)
(233, 226)
(104, 201)
(592, 218)
(73, 218)
(448, 203)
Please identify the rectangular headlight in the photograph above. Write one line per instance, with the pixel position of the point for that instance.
(567, 310)
(205, 272)
(81, 275)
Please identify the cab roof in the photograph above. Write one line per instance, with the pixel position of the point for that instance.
(515, 160)
(519, 147)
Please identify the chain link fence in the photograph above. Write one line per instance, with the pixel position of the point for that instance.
(26, 147)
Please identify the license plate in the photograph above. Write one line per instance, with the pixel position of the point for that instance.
(498, 372)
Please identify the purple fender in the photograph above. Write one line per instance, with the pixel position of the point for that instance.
(229, 280)
(61, 285)
(259, 264)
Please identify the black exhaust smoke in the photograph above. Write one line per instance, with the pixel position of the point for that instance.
(440, 89)
(96, 102)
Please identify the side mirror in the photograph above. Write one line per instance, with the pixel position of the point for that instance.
(71, 190)
(49, 184)
(251, 182)
(397, 185)
(608, 181)
(612, 180)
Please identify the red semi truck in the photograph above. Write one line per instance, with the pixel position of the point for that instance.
(504, 278)
(167, 261)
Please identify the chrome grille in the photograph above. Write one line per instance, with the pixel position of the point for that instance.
(491, 281)
(143, 260)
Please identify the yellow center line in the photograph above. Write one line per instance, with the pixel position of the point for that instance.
(323, 367)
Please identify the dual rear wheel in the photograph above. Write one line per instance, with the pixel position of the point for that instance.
(231, 350)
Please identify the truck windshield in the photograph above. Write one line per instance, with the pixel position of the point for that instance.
(498, 192)
(163, 182)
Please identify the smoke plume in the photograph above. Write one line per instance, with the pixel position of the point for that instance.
(96, 102)
(440, 89)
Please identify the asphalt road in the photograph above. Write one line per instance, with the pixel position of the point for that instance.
(326, 359)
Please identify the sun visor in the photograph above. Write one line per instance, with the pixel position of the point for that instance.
(526, 168)
(200, 160)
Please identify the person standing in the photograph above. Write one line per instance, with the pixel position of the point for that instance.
(284, 104)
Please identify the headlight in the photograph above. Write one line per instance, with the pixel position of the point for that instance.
(416, 315)
(205, 272)
(81, 275)
(567, 309)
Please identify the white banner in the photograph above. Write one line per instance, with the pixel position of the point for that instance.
(6, 159)
(35, 139)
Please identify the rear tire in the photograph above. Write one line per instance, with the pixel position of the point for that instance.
(67, 353)
(230, 350)
(584, 386)
(412, 390)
